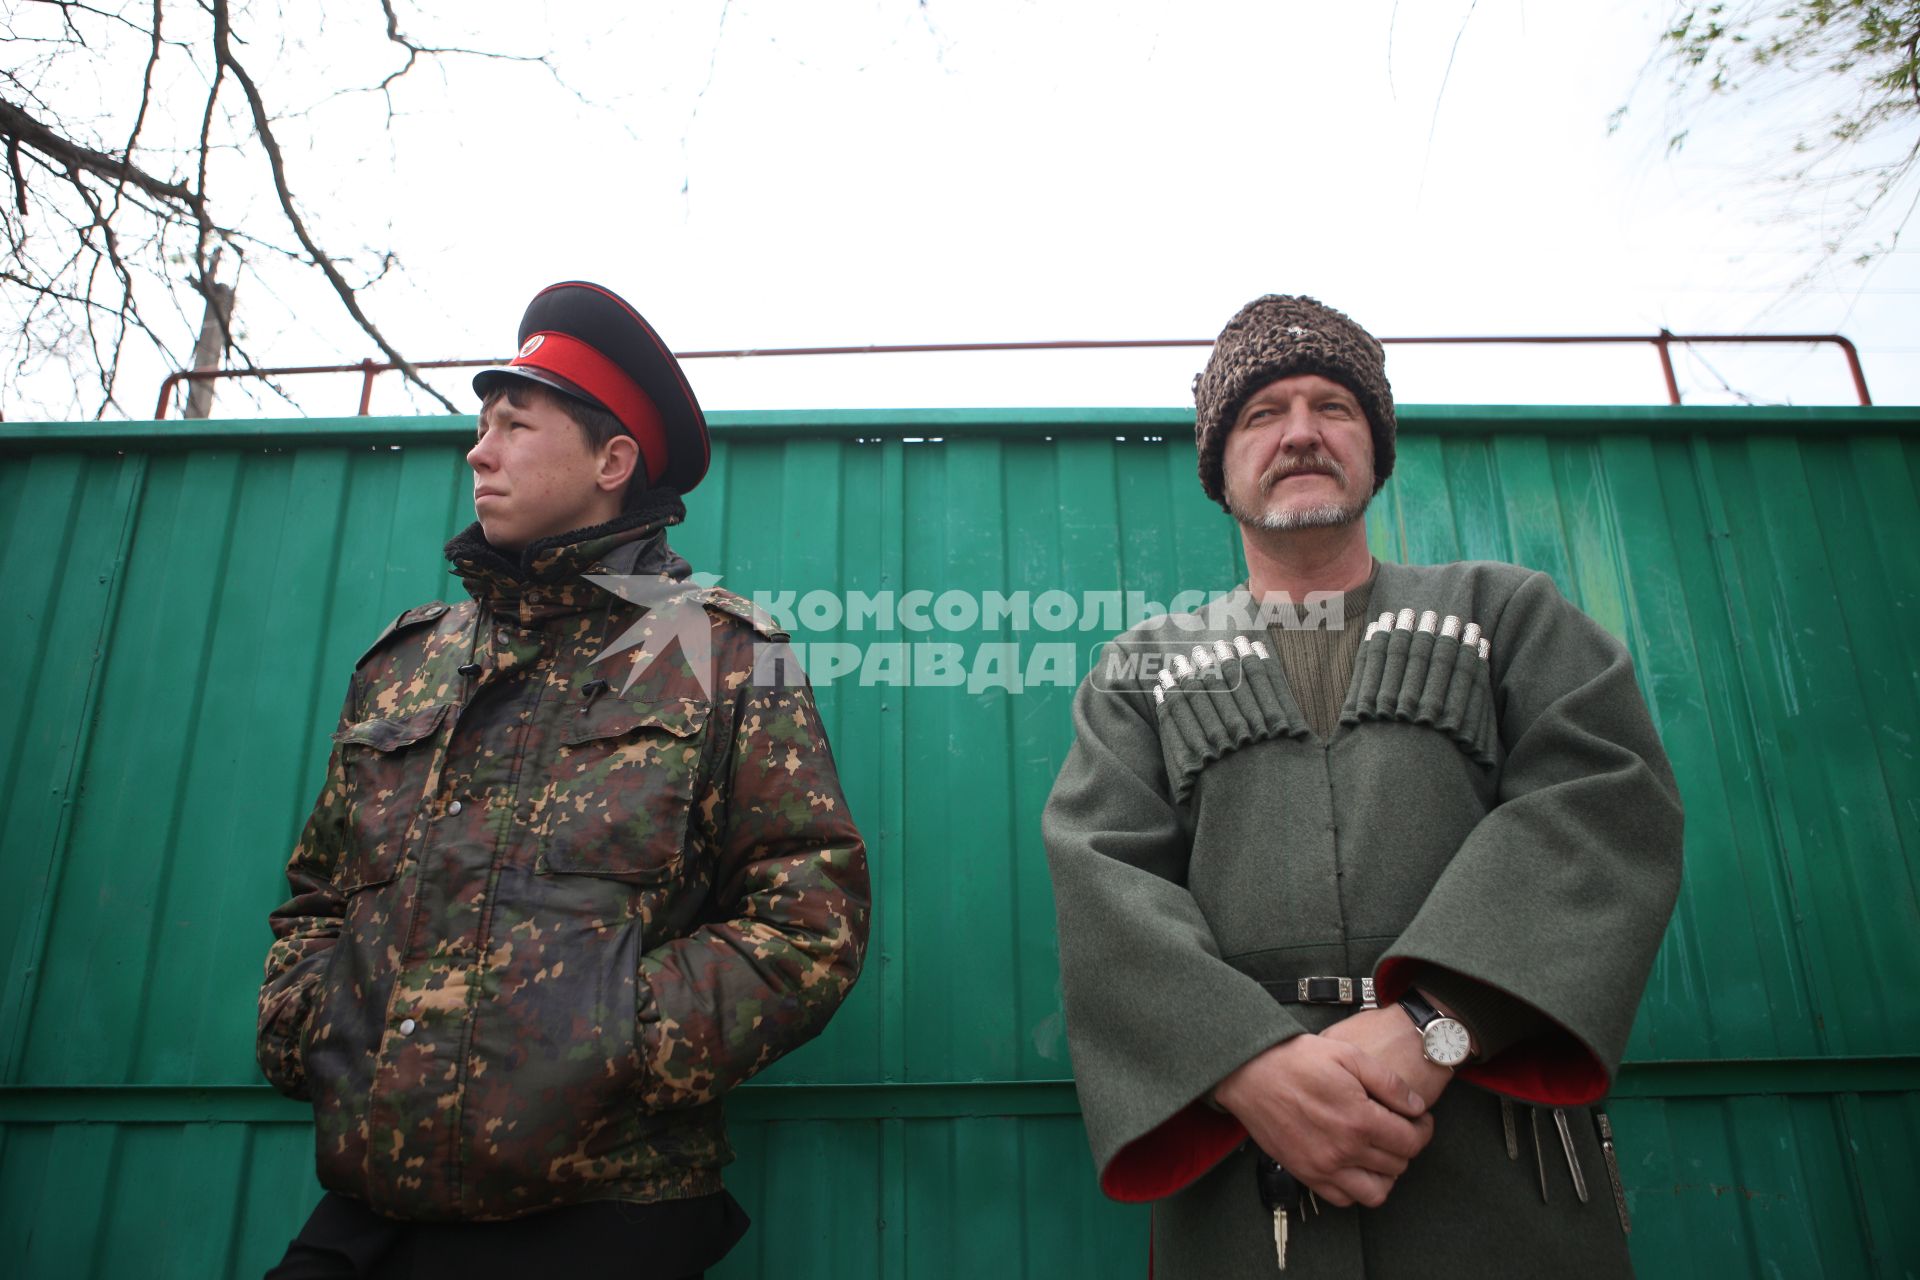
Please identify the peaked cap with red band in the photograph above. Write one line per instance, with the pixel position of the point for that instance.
(588, 342)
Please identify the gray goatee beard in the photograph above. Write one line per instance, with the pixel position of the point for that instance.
(1327, 515)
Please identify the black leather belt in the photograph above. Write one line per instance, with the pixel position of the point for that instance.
(1319, 990)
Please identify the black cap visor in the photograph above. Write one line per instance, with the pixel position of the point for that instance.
(487, 380)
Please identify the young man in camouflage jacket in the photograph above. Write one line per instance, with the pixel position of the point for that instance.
(579, 867)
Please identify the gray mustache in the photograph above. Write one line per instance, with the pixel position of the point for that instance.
(1304, 464)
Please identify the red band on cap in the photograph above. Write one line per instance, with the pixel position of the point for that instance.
(604, 380)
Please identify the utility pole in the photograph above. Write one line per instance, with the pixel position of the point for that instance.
(213, 340)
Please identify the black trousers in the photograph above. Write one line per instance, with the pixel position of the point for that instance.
(668, 1240)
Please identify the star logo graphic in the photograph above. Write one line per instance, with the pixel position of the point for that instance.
(675, 610)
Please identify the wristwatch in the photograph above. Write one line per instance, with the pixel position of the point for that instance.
(1445, 1041)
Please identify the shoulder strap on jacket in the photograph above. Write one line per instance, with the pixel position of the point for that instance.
(405, 622)
(745, 610)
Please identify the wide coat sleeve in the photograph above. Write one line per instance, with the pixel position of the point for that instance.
(1560, 895)
(1155, 1017)
(787, 929)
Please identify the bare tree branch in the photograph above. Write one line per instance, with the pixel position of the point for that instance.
(120, 190)
(416, 51)
(146, 100)
(73, 299)
(21, 129)
(686, 134)
(223, 52)
(68, 8)
(1851, 69)
(19, 179)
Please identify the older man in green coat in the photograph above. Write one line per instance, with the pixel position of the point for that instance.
(1354, 916)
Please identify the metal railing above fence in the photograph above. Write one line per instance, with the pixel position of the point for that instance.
(1663, 342)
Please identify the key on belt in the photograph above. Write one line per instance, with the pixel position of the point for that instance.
(1280, 1195)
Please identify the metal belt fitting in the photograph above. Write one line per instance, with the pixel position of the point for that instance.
(1324, 990)
(1613, 1170)
(1573, 1160)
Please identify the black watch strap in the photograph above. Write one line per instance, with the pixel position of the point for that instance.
(1418, 1008)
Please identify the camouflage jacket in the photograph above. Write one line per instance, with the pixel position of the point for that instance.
(541, 920)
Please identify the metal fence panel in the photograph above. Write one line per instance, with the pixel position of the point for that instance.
(188, 600)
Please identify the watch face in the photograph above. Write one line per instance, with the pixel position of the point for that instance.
(1446, 1042)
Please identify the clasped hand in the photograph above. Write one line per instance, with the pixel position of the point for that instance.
(1344, 1111)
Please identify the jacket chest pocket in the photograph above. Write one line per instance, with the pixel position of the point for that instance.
(618, 797)
(387, 763)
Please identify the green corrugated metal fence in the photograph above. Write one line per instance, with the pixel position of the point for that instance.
(187, 600)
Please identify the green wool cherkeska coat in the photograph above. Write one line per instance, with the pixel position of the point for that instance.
(1493, 801)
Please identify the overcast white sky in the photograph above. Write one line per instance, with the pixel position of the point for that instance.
(755, 174)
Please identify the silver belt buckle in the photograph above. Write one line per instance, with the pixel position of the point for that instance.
(1341, 989)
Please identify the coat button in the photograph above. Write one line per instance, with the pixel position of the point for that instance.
(453, 810)
(503, 637)
(406, 1026)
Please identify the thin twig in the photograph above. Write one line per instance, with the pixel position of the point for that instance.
(223, 51)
